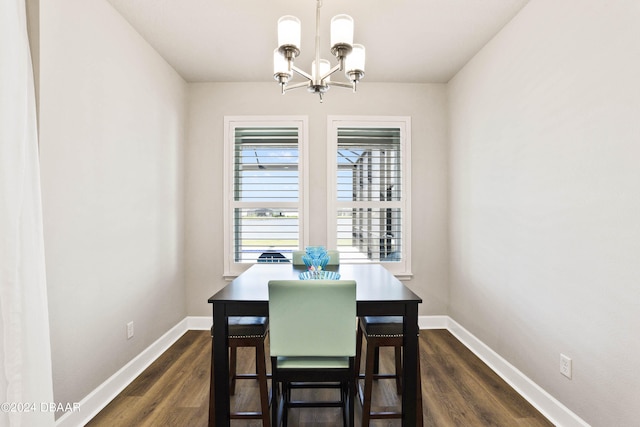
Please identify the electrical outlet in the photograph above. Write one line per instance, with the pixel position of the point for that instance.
(129, 330)
(565, 365)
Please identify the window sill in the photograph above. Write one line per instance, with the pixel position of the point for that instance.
(404, 277)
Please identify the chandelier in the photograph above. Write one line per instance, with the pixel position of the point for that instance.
(350, 56)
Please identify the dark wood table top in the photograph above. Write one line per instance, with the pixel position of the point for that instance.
(374, 283)
(378, 293)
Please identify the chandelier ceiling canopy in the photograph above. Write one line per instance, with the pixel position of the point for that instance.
(350, 56)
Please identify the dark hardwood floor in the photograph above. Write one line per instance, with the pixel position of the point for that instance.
(458, 390)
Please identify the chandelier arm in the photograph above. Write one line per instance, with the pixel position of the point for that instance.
(287, 88)
(331, 71)
(340, 84)
(301, 72)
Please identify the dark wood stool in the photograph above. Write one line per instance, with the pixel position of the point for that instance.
(247, 331)
(381, 331)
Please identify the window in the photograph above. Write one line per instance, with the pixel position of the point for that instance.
(369, 212)
(264, 180)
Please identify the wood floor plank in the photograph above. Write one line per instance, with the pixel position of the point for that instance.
(466, 392)
(153, 373)
(514, 404)
(458, 390)
(161, 383)
(179, 384)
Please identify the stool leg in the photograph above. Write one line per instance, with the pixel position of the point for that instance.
(398, 352)
(376, 361)
(261, 371)
(368, 384)
(232, 369)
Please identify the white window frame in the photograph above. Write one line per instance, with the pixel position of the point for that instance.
(231, 268)
(401, 269)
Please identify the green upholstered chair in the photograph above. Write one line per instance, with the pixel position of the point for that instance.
(312, 342)
(334, 257)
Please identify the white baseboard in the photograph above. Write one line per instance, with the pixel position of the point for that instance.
(550, 407)
(95, 401)
(433, 322)
(199, 323)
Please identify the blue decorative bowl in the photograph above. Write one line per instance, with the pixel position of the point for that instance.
(320, 261)
(315, 251)
(319, 275)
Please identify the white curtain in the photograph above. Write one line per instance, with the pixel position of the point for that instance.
(25, 352)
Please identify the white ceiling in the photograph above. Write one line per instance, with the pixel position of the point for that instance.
(412, 41)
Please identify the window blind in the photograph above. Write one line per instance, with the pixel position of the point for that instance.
(266, 194)
(369, 194)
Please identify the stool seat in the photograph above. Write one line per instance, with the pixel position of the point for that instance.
(247, 326)
(382, 326)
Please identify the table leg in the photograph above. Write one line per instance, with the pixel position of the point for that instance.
(219, 401)
(212, 400)
(410, 366)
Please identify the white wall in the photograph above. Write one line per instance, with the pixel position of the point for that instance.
(545, 201)
(210, 102)
(112, 132)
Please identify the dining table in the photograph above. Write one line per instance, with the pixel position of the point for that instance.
(378, 293)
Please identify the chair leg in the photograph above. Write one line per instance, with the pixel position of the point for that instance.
(275, 400)
(358, 349)
(286, 399)
(274, 404)
(351, 396)
(261, 371)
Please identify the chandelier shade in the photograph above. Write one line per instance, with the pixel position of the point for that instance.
(324, 68)
(350, 56)
(289, 30)
(355, 61)
(280, 64)
(341, 30)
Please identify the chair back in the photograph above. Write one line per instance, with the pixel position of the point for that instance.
(296, 257)
(334, 257)
(312, 318)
